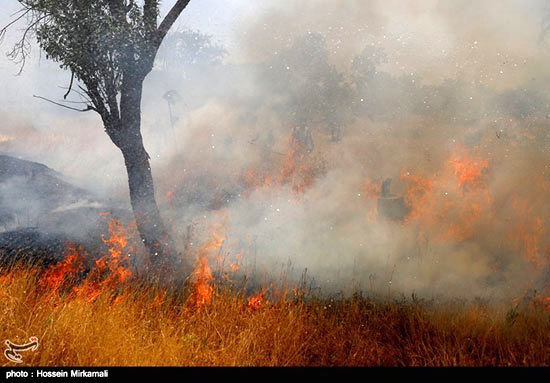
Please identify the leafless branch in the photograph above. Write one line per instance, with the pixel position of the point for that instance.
(70, 87)
(88, 107)
(21, 48)
(83, 95)
(14, 21)
(169, 20)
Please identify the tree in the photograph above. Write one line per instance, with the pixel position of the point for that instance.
(109, 46)
(365, 65)
(306, 87)
(296, 78)
(187, 49)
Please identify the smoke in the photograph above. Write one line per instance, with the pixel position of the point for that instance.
(423, 92)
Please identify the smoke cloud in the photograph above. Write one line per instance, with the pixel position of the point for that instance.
(446, 98)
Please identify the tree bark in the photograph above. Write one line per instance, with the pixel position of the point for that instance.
(151, 228)
(128, 138)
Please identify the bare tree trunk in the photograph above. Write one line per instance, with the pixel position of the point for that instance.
(128, 138)
(142, 197)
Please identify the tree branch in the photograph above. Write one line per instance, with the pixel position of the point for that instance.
(6, 27)
(88, 107)
(70, 87)
(150, 13)
(169, 20)
(94, 94)
(21, 49)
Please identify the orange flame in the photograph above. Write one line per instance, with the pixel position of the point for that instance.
(257, 301)
(203, 289)
(58, 275)
(451, 204)
(169, 195)
(109, 270)
(371, 192)
(203, 282)
(158, 300)
(297, 170)
(468, 171)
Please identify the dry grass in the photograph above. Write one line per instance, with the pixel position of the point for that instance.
(143, 326)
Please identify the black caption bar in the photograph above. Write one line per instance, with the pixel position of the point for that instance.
(117, 373)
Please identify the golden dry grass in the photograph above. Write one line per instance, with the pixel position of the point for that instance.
(146, 327)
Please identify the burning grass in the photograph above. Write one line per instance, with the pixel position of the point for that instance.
(139, 323)
(110, 314)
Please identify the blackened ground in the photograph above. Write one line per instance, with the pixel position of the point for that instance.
(31, 246)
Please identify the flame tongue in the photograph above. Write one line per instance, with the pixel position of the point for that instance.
(451, 204)
(257, 301)
(297, 169)
(59, 275)
(203, 289)
(112, 269)
(203, 284)
(109, 271)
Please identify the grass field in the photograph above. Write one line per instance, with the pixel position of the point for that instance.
(136, 323)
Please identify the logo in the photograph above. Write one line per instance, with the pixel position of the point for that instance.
(11, 353)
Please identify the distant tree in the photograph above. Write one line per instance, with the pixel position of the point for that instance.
(295, 77)
(339, 104)
(109, 46)
(308, 89)
(370, 85)
(523, 103)
(187, 49)
(365, 65)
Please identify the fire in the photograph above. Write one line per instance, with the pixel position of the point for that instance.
(236, 266)
(257, 301)
(256, 180)
(203, 284)
(113, 268)
(158, 300)
(371, 192)
(110, 270)
(58, 275)
(169, 195)
(203, 289)
(452, 203)
(468, 171)
(297, 169)
(419, 195)
(118, 259)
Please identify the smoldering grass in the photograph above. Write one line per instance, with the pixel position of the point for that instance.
(140, 323)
